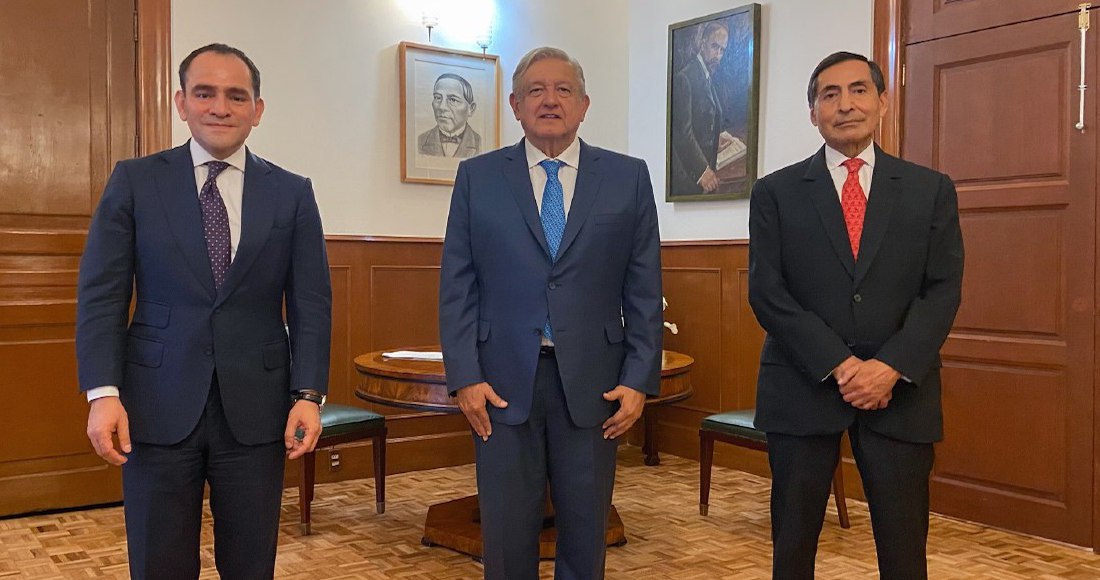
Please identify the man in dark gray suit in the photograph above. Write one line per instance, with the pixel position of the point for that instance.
(855, 272)
(697, 116)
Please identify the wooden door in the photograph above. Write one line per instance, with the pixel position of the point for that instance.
(929, 19)
(995, 110)
(67, 114)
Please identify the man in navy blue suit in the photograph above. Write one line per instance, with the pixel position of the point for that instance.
(550, 318)
(199, 386)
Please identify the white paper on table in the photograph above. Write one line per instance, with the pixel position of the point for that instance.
(414, 355)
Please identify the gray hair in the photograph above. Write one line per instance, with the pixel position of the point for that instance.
(543, 53)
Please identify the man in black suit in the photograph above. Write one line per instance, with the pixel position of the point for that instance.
(855, 272)
(199, 385)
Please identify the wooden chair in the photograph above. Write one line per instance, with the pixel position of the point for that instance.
(344, 424)
(736, 428)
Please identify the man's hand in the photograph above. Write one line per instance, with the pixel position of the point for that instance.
(709, 180)
(631, 403)
(106, 416)
(472, 399)
(303, 429)
(870, 386)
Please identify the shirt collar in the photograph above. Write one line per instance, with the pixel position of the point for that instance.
(200, 156)
(706, 72)
(571, 156)
(456, 133)
(834, 158)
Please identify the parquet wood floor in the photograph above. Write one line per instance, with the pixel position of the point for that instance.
(666, 536)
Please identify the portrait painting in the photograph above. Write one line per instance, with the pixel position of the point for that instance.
(713, 106)
(450, 110)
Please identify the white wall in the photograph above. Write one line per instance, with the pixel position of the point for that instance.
(329, 71)
(795, 35)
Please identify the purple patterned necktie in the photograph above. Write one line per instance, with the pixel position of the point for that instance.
(215, 222)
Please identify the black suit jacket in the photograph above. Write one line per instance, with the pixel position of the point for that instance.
(896, 303)
(696, 123)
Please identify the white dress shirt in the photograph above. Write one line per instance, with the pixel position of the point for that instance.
(567, 173)
(839, 173)
(231, 185)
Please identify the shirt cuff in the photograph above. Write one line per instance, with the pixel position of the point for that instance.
(100, 392)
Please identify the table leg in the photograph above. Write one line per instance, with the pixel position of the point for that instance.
(649, 445)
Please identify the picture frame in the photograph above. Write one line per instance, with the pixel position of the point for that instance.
(450, 110)
(713, 106)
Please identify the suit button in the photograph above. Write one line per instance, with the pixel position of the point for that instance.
(851, 344)
(857, 298)
(552, 286)
(209, 351)
(538, 331)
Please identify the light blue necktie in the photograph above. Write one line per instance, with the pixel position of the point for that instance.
(553, 217)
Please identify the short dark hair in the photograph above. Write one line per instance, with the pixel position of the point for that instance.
(467, 88)
(837, 58)
(220, 48)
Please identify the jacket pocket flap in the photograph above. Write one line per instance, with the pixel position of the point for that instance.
(152, 314)
(614, 332)
(611, 218)
(276, 354)
(482, 330)
(144, 351)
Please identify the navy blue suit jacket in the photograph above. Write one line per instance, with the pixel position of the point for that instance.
(896, 303)
(147, 235)
(603, 294)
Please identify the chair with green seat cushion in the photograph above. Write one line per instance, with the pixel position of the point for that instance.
(344, 424)
(736, 427)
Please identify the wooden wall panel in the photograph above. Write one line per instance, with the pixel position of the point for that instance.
(385, 293)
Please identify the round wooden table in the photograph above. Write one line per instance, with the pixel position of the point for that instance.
(422, 386)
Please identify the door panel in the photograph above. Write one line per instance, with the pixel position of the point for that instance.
(930, 19)
(67, 114)
(995, 110)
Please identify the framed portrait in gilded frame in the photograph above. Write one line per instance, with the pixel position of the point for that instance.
(450, 110)
(713, 106)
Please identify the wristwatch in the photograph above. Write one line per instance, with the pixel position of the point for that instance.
(309, 395)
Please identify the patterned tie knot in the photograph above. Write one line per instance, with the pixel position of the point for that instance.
(215, 168)
(853, 164)
(551, 166)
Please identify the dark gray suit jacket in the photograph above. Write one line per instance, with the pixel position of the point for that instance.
(895, 303)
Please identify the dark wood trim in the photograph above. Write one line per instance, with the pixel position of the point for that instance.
(431, 240)
(888, 49)
(702, 243)
(154, 70)
(370, 238)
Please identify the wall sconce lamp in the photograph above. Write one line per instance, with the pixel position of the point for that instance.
(485, 38)
(430, 20)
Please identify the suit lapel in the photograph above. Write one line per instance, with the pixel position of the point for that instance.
(584, 195)
(885, 189)
(257, 217)
(175, 179)
(825, 199)
(518, 175)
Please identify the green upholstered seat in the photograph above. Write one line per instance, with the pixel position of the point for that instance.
(343, 419)
(736, 423)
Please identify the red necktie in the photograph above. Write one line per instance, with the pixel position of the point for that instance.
(853, 202)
